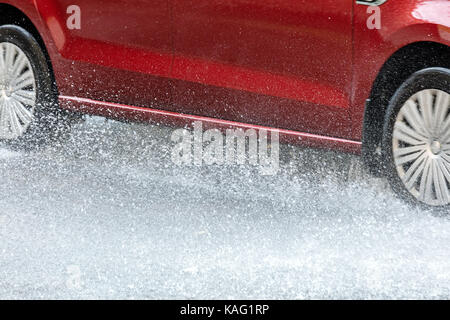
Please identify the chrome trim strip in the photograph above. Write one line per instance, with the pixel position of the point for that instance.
(371, 3)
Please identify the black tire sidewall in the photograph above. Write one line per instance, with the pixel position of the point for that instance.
(430, 78)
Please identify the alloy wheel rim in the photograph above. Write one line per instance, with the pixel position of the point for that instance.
(421, 146)
(17, 92)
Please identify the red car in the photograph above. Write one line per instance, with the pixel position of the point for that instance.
(368, 77)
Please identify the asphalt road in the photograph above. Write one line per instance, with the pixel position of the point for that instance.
(109, 215)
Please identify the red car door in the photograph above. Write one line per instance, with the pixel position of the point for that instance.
(122, 51)
(279, 63)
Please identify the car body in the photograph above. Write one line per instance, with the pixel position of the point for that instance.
(315, 71)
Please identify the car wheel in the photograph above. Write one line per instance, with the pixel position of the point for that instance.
(416, 139)
(29, 112)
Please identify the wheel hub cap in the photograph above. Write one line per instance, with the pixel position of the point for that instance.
(6, 90)
(435, 147)
(17, 92)
(421, 146)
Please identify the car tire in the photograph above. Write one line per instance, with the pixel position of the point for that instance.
(29, 111)
(416, 139)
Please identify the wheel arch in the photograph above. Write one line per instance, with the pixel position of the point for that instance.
(10, 14)
(396, 70)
